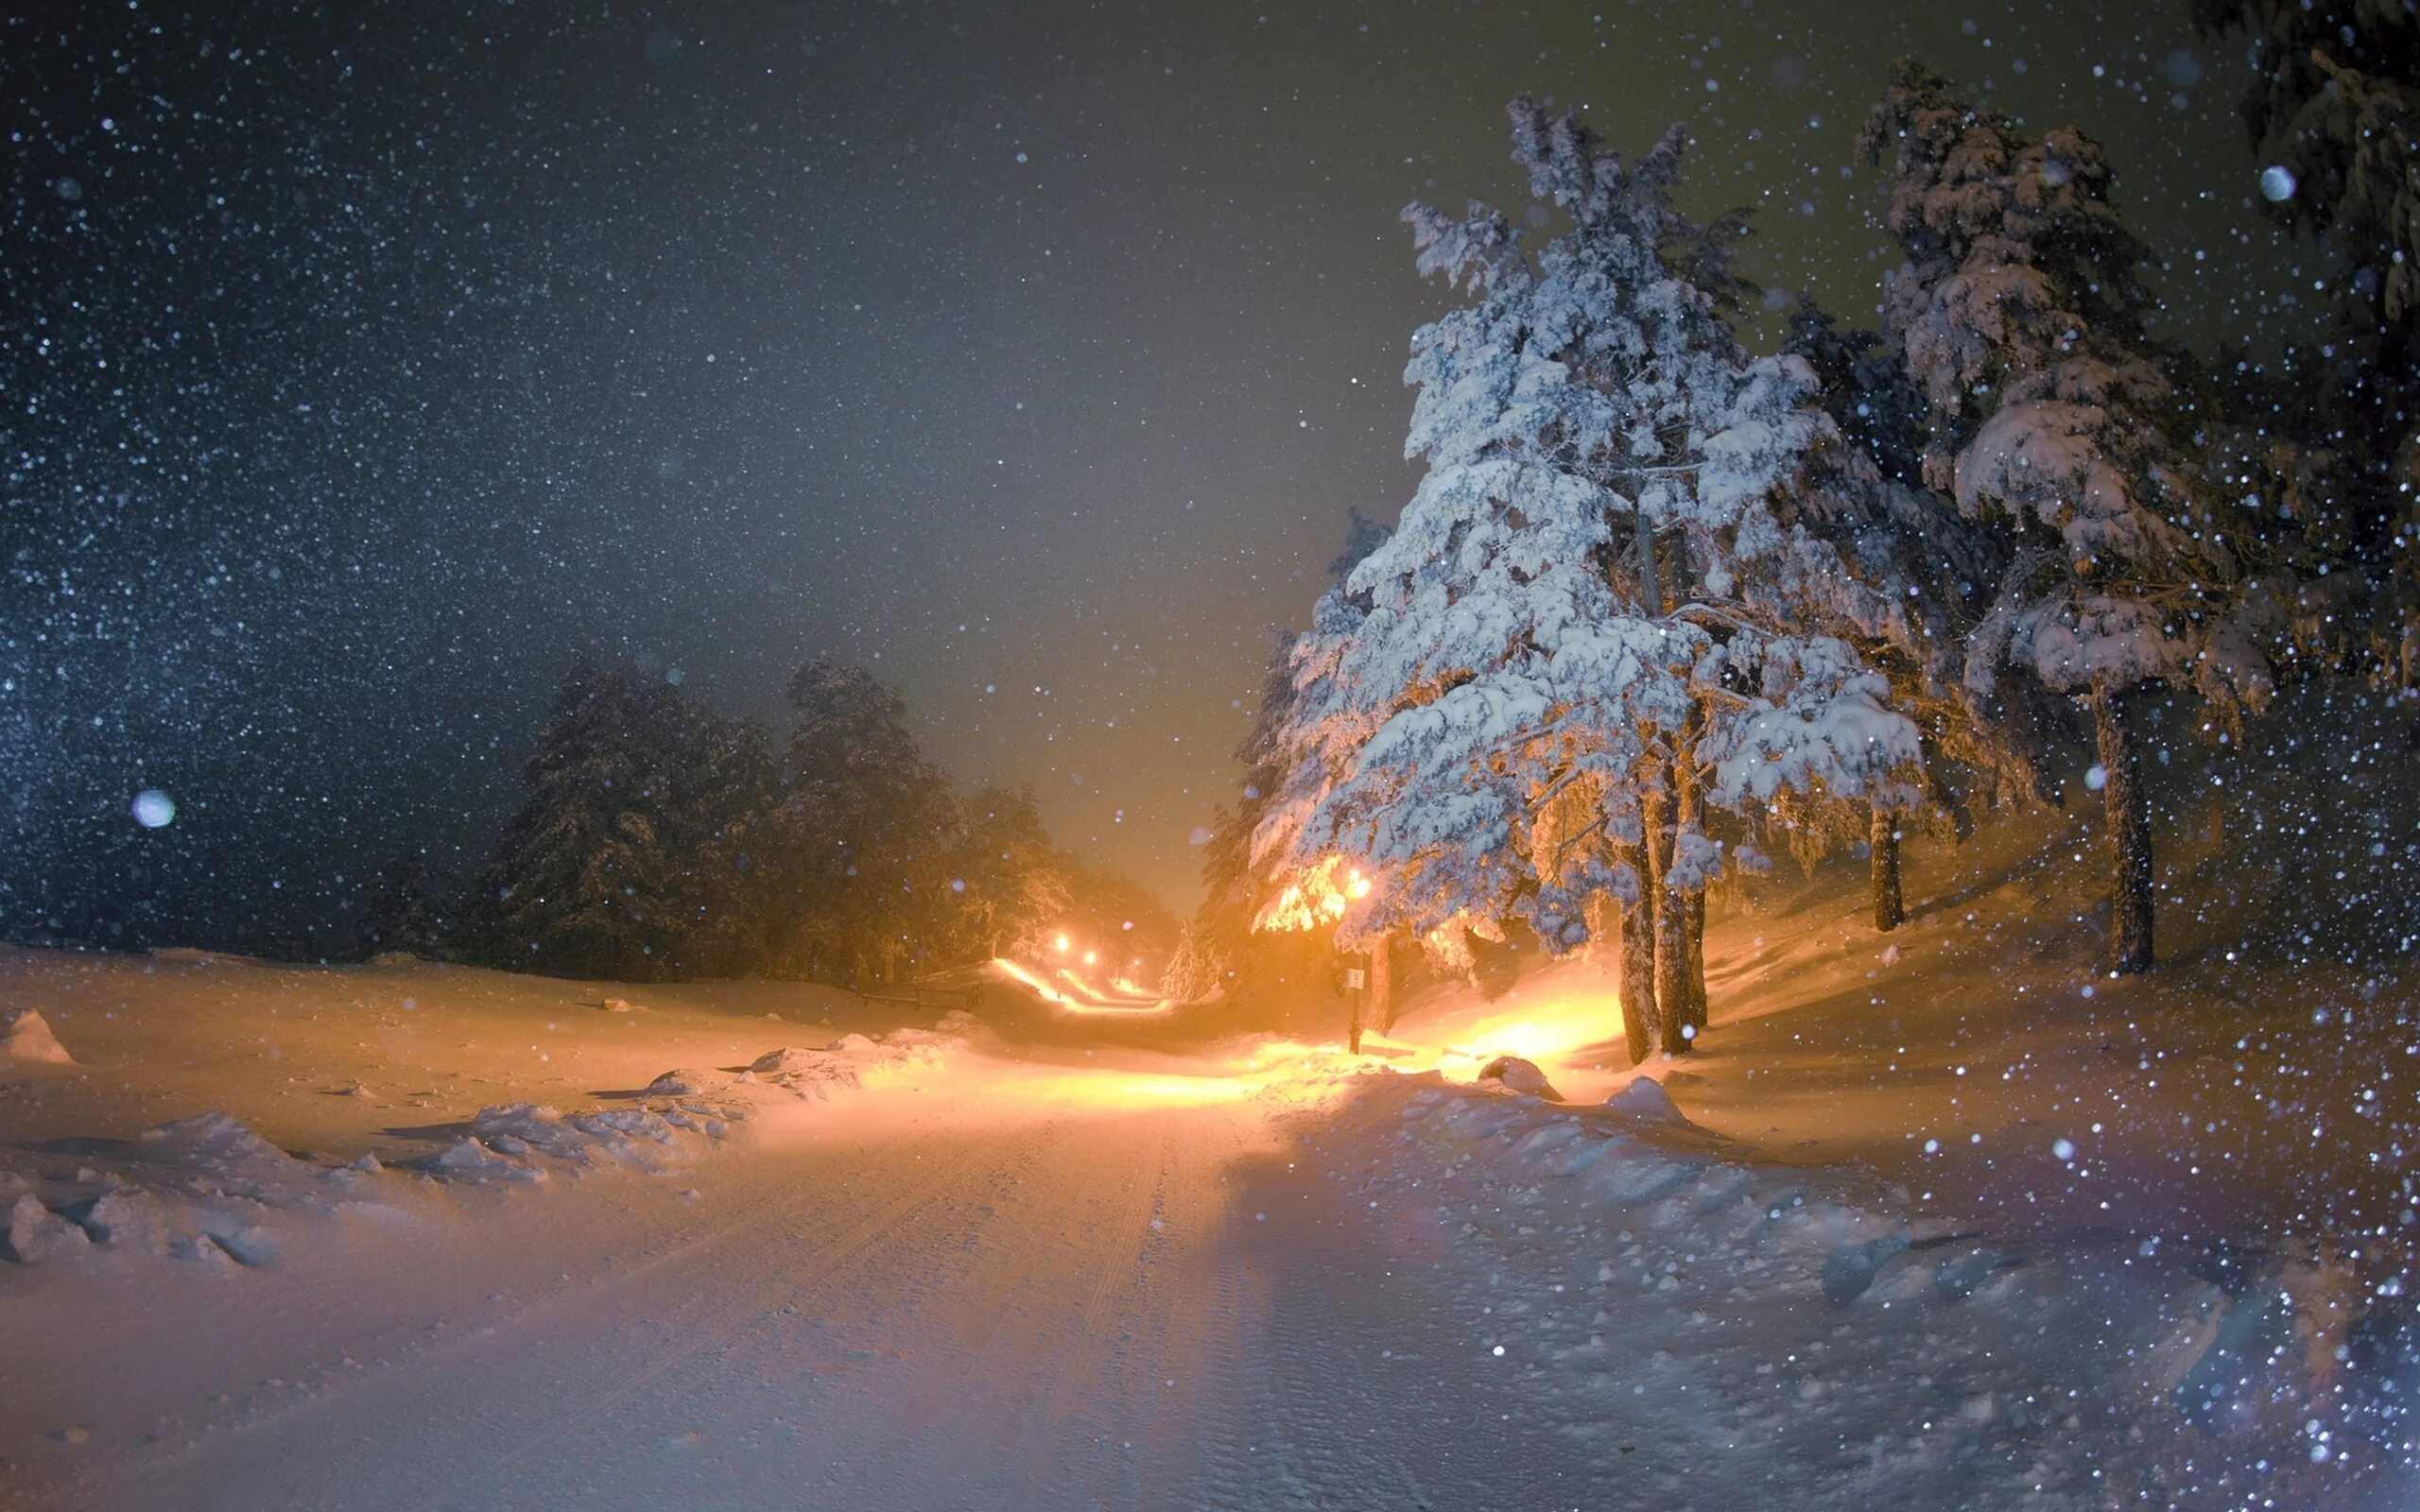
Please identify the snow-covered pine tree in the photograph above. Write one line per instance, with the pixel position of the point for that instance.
(1590, 602)
(2019, 317)
(1914, 549)
(1216, 950)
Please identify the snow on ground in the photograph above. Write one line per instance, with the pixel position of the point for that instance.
(1031, 1266)
(1731, 1331)
(299, 1056)
(1939, 1219)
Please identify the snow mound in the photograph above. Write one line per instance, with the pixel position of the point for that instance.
(470, 1161)
(35, 1234)
(214, 1154)
(122, 1219)
(1849, 1269)
(793, 1061)
(248, 1245)
(201, 1188)
(507, 1140)
(517, 1128)
(1646, 1101)
(847, 1061)
(29, 1038)
(1515, 1074)
(203, 1250)
(515, 1141)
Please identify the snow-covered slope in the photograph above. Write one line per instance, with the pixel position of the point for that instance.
(1742, 1331)
(1926, 1223)
(2264, 1077)
(222, 1111)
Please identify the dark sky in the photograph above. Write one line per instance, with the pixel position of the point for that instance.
(361, 362)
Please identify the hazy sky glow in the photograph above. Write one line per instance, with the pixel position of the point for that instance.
(359, 363)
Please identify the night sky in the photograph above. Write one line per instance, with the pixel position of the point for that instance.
(360, 364)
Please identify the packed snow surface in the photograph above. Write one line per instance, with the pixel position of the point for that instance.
(1921, 1225)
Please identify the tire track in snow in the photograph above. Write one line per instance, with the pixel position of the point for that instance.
(290, 1455)
(819, 1267)
(1117, 1260)
(923, 1446)
(1345, 1443)
(1190, 1454)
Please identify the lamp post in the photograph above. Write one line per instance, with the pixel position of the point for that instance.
(1356, 982)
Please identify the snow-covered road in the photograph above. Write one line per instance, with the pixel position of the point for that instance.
(1039, 1307)
(1066, 1261)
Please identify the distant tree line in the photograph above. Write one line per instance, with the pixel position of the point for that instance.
(661, 839)
(1662, 605)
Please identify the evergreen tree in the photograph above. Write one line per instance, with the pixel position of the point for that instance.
(1218, 948)
(2019, 319)
(409, 908)
(622, 860)
(1588, 625)
(723, 843)
(870, 828)
(1909, 545)
(1010, 885)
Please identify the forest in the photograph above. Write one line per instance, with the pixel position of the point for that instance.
(659, 840)
(1662, 609)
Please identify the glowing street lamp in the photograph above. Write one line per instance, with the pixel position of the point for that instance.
(1320, 897)
(1062, 944)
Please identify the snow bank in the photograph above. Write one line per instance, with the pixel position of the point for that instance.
(1662, 1286)
(208, 1189)
(204, 1189)
(848, 1061)
(680, 1111)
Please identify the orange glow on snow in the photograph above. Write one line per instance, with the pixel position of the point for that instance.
(1548, 1030)
(1122, 1089)
(1047, 992)
(1161, 1007)
(1288, 1070)
(1568, 1026)
(1078, 995)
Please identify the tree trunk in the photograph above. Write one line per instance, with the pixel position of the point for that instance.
(1694, 922)
(1889, 912)
(1689, 818)
(1638, 956)
(1671, 929)
(2130, 834)
(1382, 981)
